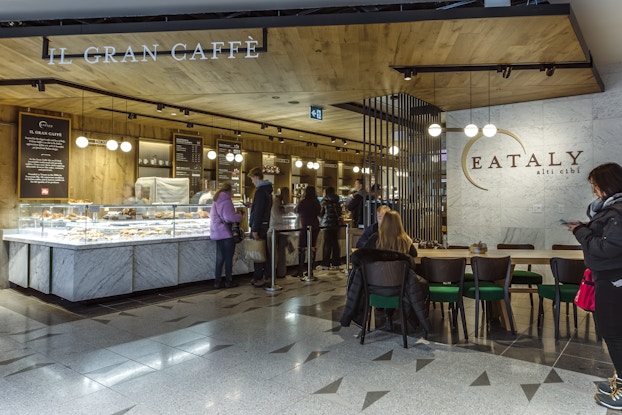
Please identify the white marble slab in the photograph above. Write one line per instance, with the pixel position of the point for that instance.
(196, 260)
(18, 263)
(155, 266)
(40, 267)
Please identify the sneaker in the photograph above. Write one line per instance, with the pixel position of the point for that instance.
(613, 400)
(260, 283)
(610, 385)
(217, 284)
(322, 268)
(231, 284)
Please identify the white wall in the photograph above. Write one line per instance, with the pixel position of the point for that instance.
(505, 212)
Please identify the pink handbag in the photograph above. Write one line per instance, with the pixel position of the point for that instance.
(585, 296)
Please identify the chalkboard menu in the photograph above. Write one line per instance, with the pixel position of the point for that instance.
(229, 170)
(43, 157)
(189, 160)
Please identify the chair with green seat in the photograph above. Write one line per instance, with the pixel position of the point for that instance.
(446, 282)
(383, 284)
(522, 276)
(491, 283)
(567, 274)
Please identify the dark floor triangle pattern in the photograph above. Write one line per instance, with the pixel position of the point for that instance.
(372, 397)
(387, 356)
(124, 411)
(284, 349)
(314, 355)
(330, 388)
(530, 389)
(421, 363)
(175, 320)
(102, 320)
(482, 380)
(553, 377)
(32, 367)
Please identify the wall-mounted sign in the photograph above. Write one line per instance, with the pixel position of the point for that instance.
(316, 113)
(43, 157)
(189, 160)
(229, 170)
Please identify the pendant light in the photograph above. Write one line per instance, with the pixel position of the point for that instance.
(471, 129)
(112, 144)
(489, 129)
(435, 129)
(82, 141)
(126, 146)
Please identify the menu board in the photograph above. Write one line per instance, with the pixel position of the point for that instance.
(229, 171)
(43, 156)
(189, 160)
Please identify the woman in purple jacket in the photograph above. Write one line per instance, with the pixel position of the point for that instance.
(221, 215)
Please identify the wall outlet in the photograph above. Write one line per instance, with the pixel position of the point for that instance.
(537, 208)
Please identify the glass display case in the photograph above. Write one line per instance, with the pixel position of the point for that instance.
(85, 222)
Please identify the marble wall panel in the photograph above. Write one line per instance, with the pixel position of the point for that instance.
(83, 274)
(18, 263)
(40, 268)
(196, 260)
(155, 266)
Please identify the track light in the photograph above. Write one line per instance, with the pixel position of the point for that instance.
(131, 116)
(159, 107)
(279, 130)
(281, 140)
(338, 148)
(263, 126)
(550, 70)
(345, 143)
(408, 75)
(186, 112)
(332, 140)
(238, 133)
(507, 71)
(357, 152)
(270, 138)
(40, 85)
(190, 124)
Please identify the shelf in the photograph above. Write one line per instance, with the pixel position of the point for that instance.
(155, 167)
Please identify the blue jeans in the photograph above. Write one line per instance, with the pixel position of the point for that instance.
(224, 256)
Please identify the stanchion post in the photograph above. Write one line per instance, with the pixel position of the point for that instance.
(273, 286)
(309, 276)
(347, 248)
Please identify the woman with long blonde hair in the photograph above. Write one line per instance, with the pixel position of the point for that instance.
(391, 236)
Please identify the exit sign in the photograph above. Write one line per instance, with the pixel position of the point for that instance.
(315, 113)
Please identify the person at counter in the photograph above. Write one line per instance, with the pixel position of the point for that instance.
(357, 204)
(331, 219)
(308, 211)
(373, 228)
(260, 222)
(222, 214)
(601, 241)
(128, 195)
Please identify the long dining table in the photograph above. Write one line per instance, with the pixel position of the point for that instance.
(517, 256)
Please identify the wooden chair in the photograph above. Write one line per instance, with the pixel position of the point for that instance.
(488, 273)
(383, 283)
(521, 276)
(567, 274)
(446, 284)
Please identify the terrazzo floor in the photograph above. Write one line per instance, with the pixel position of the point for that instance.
(198, 350)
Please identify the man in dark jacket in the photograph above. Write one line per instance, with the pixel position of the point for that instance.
(331, 219)
(357, 204)
(260, 222)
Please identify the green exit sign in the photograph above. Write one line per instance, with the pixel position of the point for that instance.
(316, 113)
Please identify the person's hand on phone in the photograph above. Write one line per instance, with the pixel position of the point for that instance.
(570, 224)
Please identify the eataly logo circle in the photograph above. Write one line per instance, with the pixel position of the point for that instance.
(546, 164)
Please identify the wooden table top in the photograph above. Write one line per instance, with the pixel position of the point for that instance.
(518, 256)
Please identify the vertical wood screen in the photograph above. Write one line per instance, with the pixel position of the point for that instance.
(409, 181)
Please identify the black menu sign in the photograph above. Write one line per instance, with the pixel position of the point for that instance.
(228, 166)
(43, 156)
(189, 160)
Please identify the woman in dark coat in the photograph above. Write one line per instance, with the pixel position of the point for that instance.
(308, 210)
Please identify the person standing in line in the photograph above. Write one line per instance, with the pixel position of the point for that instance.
(308, 210)
(331, 219)
(221, 214)
(373, 228)
(260, 222)
(357, 204)
(278, 222)
(601, 242)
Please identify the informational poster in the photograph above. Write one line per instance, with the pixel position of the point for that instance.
(43, 156)
(189, 160)
(229, 168)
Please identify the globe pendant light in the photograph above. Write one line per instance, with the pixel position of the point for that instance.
(82, 141)
(489, 129)
(471, 129)
(435, 129)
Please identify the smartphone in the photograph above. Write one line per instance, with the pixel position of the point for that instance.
(563, 222)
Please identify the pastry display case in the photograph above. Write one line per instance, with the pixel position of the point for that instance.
(78, 223)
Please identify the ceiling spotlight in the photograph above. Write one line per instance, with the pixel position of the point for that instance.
(408, 75)
(279, 130)
(238, 133)
(281, 140)
(270, 138)
(507, 71)
(550, 70)
(263, 126)
(357, 152)
(338, 148)
(298, 163)
(159, 107)
(345, 143)
(126, 146)
(131, 116)
(211, 155)
(82, 142)
(332, 140)
(112, 145)
(186, 112)
(40, 85)
(314, 144)
(190, 124)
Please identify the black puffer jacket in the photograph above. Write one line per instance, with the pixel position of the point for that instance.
(416, 295)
